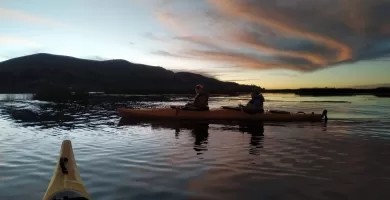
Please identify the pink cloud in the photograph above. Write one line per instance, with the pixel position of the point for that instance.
(257, 14)
(299, 35)
(28, 18)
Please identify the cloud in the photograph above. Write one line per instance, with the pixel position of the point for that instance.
(250, 39)
(171, 21)
(299, 35)
(166, 53)
(28, 18)
(386, 29)
(199, 41)
(97, 58)
(255, 13)
(241, 60)
(214, 72)
(242, 80)
(155, 37)
(17, 41)
(284, 74)
(151, 36)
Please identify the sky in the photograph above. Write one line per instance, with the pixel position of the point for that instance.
(270, 43)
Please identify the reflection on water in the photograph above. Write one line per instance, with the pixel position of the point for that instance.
(200, 131)
(63, 115)
(347, 158)
(256, 130)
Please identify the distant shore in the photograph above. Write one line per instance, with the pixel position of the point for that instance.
(58, 77)
(384, 91)
(379, 92)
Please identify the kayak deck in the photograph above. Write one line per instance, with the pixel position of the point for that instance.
(66, 178)
(216, 114)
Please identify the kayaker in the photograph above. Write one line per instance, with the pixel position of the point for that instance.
(200, 101)
(256, 103)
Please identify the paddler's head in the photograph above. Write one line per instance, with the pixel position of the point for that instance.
(254, 94)
(198, 88)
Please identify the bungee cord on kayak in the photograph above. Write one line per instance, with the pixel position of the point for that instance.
(66, 181)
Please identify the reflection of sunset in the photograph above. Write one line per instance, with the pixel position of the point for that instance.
(139, 159)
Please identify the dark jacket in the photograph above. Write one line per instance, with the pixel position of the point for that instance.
(201, 100)
(256, 103)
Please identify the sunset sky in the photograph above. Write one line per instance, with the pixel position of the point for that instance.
(270, 43)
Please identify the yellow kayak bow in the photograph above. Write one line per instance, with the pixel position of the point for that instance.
(66, 182)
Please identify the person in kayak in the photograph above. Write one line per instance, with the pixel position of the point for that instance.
(256, 103)
(200, 101)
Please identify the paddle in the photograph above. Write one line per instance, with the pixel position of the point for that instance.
(178, 108)
(231, 108)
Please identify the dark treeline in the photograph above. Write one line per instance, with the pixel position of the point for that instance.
(52, 75)
(380, 92)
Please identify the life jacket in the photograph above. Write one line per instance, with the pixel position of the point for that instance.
(257, 102)
(198, 102)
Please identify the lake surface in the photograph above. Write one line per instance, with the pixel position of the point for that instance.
(346, 158)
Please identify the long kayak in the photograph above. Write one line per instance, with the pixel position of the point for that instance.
(66, 182)
(218, 114)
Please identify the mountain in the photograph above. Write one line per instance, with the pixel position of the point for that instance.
(34, 73)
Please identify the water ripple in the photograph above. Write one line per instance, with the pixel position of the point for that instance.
(346, 158)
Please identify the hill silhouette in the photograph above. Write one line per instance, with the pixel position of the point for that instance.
(38, 72)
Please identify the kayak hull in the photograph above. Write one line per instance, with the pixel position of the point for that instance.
(215, 114)
(69, 183)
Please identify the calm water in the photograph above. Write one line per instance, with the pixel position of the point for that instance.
(347, 158)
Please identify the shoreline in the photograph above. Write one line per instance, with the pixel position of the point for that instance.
(314, 92)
